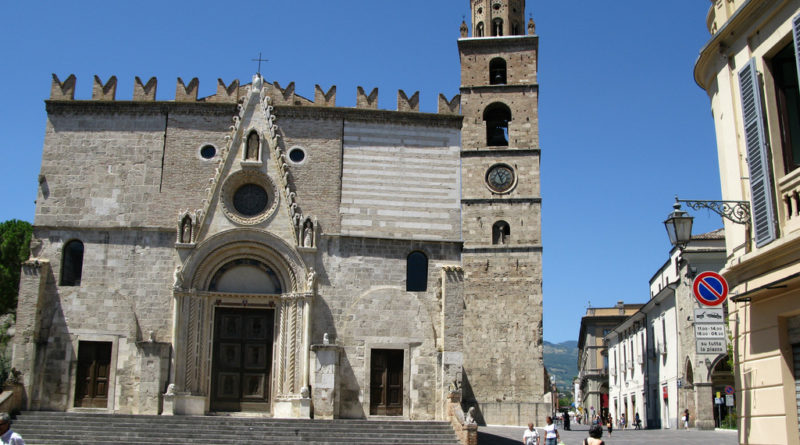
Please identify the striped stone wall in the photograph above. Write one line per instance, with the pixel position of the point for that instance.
(400, 182)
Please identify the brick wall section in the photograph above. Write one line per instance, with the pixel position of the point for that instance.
(186, 173)
(317, 179)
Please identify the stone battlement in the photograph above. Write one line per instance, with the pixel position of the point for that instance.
(233, 92)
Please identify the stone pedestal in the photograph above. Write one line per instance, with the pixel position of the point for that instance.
(326, 381)
(153, 369)
(292, 408)
(168, 407)
(188, 405)
(704, 406)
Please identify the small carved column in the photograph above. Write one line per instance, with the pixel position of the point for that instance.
(292, 398)
(326, 380)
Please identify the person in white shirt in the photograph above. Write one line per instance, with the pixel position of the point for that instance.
(531, 436)
(551, 436)
(7, 436)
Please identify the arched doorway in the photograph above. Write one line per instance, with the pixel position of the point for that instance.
(243, 339)
(242, 326)
(721, 376)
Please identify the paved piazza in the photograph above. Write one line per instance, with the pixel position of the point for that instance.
(499, 435)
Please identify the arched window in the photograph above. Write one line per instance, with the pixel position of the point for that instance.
(689, 373)
(497, 117)
(246, 276)
(479, 30)
(500, 232)
(72, 263)
(417, 272)
(497, 71)
(497, 27)
(515, 29)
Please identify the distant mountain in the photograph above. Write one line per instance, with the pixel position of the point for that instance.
(561, 360)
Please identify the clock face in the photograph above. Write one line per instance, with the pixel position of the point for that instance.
(500, 178)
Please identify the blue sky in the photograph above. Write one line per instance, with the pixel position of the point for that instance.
(623, 126)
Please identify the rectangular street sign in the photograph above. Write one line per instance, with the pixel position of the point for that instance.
(728, 400)
(716, 330)
(707, 346)
(709, 315)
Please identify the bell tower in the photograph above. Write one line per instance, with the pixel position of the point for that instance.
(501, 215)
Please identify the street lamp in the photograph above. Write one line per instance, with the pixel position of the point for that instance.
(679, 223)
(679, 226)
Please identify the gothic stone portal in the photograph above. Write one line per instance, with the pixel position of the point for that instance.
(240, 379)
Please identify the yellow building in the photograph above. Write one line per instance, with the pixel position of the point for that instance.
(749, 69)
(593, 354)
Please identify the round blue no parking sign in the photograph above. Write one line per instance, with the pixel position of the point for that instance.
(710, 288)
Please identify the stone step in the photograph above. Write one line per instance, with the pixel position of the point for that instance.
(59, 428)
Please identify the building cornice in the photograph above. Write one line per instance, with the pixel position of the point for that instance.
(139, 107)
(453, 121)
(502, 201)
(505, 88)
(748, 14)
(491, 152)
(771, 263)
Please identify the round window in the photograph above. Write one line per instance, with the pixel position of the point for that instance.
(297, 155)
(208, 151)
(250, 199)
(500, 178)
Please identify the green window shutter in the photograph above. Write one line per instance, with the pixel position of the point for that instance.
(762, 207)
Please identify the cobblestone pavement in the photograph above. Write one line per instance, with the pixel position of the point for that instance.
(502, 435)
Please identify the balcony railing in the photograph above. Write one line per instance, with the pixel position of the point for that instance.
(789, 188)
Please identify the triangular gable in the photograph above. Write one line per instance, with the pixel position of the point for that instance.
(252, 157)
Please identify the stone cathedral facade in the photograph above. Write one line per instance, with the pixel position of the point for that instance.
(256, 251)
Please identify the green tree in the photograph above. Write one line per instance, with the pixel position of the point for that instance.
(15, 240)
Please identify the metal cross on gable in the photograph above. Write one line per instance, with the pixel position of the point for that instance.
(259, 60)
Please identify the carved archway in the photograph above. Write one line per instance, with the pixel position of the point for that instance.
(277, 282)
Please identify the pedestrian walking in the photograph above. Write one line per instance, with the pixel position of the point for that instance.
(685, 419)
(551, 436)
(531, 436)
(637, 422)
(610, 425)
(7, 436)
(595, 433)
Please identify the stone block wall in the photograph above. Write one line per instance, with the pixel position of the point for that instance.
(503, 296)
(364, 305)
(134, 165)
(124, 295)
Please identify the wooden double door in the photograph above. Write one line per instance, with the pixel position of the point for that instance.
(242, 359)
(386, 382)
(92, 376)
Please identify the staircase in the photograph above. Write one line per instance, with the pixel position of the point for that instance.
(59, 428)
